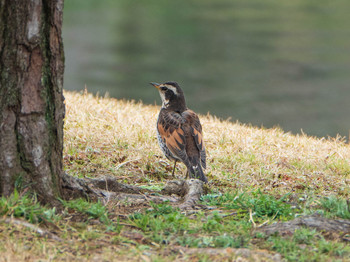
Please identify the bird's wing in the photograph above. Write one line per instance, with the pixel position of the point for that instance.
(196, 130)
(170, 130)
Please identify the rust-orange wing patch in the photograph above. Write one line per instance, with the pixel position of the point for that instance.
(171, 132)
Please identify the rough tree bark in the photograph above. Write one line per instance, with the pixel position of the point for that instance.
(31, 98)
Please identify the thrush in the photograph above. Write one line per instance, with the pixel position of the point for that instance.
(179, 131)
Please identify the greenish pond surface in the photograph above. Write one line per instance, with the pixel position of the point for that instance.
(264, 62)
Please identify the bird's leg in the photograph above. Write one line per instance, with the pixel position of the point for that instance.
(174, 169)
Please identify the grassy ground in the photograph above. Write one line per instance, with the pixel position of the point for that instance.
(257, 176)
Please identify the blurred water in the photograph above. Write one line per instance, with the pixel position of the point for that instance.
(268, 62)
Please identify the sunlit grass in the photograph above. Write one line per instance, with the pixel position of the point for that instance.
(118, 138)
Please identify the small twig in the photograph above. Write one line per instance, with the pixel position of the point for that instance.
(251, 218)
(40, 231)
(339, 154)
(121, 215)
(127, 225)
(126, 162)
(146, 197)
(264, 223)
(231, 214)
(274, 216)
(163, 162)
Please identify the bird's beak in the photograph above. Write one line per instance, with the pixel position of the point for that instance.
(156, 85)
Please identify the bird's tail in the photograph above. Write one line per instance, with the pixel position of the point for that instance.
(196, 171)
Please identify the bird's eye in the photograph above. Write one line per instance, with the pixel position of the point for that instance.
(163, 88)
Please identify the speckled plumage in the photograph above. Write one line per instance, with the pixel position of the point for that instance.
(179, 131)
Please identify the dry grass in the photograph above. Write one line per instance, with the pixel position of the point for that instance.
(117, 137)
(105, 136)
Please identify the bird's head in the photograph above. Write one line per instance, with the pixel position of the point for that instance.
(172, 96)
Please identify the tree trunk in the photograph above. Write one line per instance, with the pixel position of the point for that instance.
(31, 98)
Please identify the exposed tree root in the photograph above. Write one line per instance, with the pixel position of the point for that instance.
(319, 223)
(111, 184)
(73, 187)
(182, 193)
(176, 187)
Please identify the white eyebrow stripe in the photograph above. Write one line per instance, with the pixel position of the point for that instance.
(172, 89)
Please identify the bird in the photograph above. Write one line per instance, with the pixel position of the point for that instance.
(179, 131)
